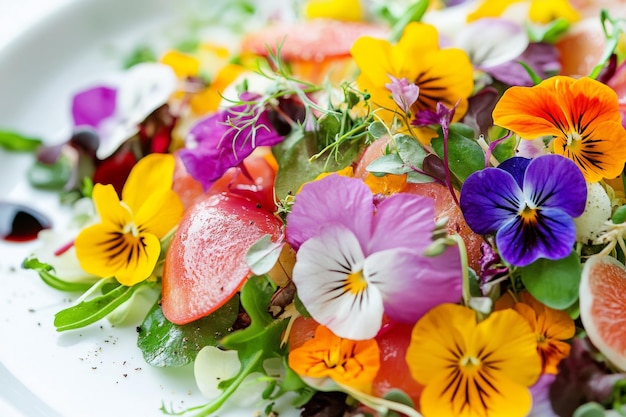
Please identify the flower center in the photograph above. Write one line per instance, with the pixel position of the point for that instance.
(572, 138)
(529, 214)
(355, 282)
(470, 364)
(131, 228)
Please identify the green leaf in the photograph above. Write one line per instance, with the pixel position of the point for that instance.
(413, 13)
(377, 130)
(139, 55)
(257, 342)
(505, 149)
(554, 283)
(531, 73)
(296, 167)
(590, 409)
(46, 273)
(465, 156)
(263, 255)
(619, 216)
(13, 141)
(50, 176)
(88, 312)
(548, 33)
(388, 164)
(165, 344)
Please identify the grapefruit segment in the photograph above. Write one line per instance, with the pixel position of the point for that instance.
(205, 264)
(603, 306)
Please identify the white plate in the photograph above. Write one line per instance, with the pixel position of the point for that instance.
(97, 371)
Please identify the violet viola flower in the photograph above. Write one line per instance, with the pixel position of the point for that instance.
(358, 258)
(528, 204)
(224, 139)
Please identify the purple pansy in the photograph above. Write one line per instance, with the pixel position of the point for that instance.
(528, 204)
(224, 139)
(358, 258)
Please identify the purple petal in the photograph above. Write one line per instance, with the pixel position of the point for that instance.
(403, 92)
(550, 236)
(90, 107)
(215, 145)
(556, 182)
(516, 166)
(542, 406)
(541, 58)
(408, 218)
(412, 284)
(332, 200)
(489, 199)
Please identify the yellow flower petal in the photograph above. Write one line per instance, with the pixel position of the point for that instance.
(104, 251)
(210, 98)
(183, 65)
(152, 174)
(108, 207)
(160, 213)
(473, 369)
(349, 10)
(545, 11)
(491, 8)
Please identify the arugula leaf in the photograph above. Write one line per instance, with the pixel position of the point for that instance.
(254, 344)
(46, 273)
(165, 344)
(554, 283)
(88, 312)
(13, 141)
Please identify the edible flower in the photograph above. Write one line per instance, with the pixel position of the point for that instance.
(347, 362)
(224, 139)
(581, 115)
(126, 243)
(358, 258)
(539, 11)
(552, 327)
(441, 75)
(350, 10)
(528, 206)
(115, 112)
(473, 368)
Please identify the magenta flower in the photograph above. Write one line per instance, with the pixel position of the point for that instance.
(358, 258)
(528, 204)
(224, 139)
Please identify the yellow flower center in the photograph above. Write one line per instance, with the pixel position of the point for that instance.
(529, 214)
(355, 282)
(573, 138)
(131, 228)
(470, 364)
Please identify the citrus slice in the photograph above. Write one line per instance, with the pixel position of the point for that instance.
(603, 306)
(205, 264)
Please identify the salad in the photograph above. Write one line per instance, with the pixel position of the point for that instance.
(362, 208)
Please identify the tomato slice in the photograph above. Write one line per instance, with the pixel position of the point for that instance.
(205, 264)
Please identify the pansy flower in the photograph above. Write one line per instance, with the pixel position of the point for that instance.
(581, 115)
(224, 139)
(358, 258)
(552, 327)
(528, 204)
(441, 75)
(473, 368)
(353, 363)
(125, 244)
(115, 112)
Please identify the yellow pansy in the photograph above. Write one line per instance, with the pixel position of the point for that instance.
(552, 327)
(471, 368)
(126, 243)
(350, 10)
(347, 362)
(442, 75)
(540, 11)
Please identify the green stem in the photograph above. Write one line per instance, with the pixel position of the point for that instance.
(464, 267)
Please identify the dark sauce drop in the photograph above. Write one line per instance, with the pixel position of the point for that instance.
(20, 223)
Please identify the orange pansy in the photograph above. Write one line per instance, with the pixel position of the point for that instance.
(581, 115)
